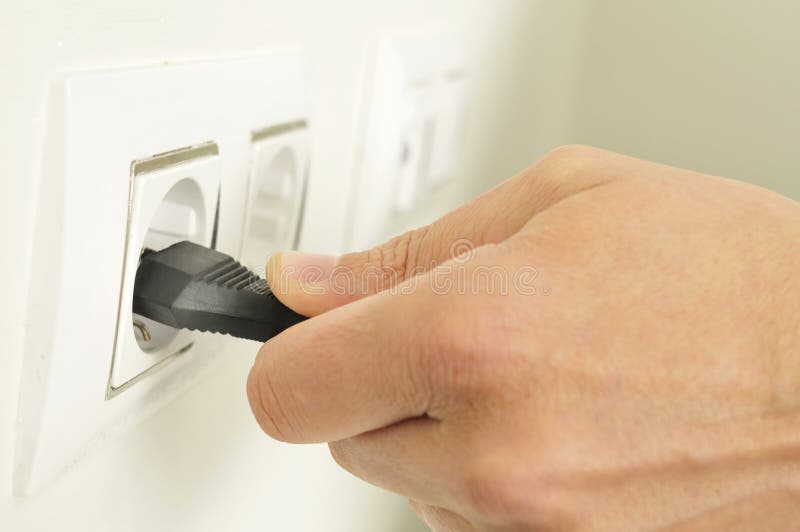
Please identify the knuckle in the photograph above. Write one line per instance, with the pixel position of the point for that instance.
(423, 512)
(337, 453)
(586, 167)
(482, 495)
(463, 355)
(340, 452)
(268, 408)
(503, 500)
(568, 169)
(416, 506)
(402, 254)
(391, 263)
(441, 356)
(459, 349)
(566, 159)
(487, 493)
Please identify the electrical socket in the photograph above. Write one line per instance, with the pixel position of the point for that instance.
(419, 99)
(103, 128)
(173, 197)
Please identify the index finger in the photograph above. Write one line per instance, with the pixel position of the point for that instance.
(345, 372)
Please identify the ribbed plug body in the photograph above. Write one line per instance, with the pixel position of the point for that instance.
(189, 286)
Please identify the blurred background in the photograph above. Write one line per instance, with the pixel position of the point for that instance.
(712, 86)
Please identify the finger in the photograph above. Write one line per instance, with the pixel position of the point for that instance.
(439, 519)
(351, 370)
(412, 458)
(312, 284)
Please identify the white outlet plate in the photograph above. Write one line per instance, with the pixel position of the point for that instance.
(275, 190)
(173, 197)
(99, 123)
(418, 102)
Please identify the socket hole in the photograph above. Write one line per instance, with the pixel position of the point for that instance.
(179, 216)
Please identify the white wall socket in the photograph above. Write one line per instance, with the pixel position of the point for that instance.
(106, 193)
(173, 197)
(278, 172)
(419, 99)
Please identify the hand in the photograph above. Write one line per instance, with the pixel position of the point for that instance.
(643, 371)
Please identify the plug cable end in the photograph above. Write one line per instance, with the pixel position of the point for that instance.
(189, 286)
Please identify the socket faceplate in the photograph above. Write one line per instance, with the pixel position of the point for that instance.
(99, 123)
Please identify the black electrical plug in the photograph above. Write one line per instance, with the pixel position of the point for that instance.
(188, 286)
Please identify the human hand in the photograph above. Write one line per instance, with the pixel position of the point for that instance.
(647, 375)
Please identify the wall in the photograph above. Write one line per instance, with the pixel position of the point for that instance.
(710, 85)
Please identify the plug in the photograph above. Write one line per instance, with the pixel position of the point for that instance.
(189, 286)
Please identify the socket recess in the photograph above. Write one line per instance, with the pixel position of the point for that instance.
(276, 188)
(173, 197)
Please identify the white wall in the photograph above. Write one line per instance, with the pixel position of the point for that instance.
(711, 85)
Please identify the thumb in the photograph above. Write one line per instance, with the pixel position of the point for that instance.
(312, 284)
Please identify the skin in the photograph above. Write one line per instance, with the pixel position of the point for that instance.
(650, 381)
